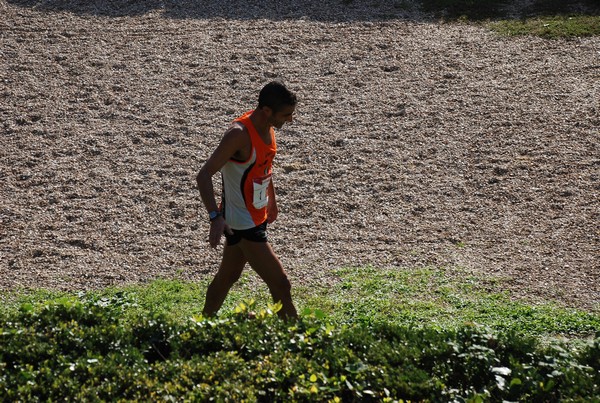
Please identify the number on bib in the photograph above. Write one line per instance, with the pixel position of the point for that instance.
(261, 186)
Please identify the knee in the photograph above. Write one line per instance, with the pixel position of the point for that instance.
(226, 279)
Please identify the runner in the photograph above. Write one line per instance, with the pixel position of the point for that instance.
(244, 157)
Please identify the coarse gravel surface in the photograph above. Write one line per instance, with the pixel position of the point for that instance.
(416, 143)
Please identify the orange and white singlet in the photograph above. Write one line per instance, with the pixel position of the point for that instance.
(246, 183)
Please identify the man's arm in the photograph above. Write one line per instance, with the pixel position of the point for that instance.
(234, 141)
(272, 209)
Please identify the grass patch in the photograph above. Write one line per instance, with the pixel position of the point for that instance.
(550, 19)
(550, 27)
(438, 298)
(442, 299)
(173, 298)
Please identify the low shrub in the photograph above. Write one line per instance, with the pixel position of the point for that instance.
(81, 349)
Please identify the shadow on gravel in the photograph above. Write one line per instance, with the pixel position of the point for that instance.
(329, 10)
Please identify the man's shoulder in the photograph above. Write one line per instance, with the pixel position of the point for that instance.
(237, 134)
(236, 130)
(238, 126)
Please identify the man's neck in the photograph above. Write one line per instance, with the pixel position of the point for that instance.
(260, 123)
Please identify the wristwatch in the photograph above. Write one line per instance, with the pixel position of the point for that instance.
(213, 215)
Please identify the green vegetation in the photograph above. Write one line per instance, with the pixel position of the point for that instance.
(438, 298)
(550, 19)
(550, 27)
(83, 349)
(376, 334)
(441, 298)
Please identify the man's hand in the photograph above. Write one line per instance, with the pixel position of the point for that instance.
(217, 227)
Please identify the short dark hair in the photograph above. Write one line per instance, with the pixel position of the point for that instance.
(276, 96)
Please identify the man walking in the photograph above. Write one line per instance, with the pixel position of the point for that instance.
(244, 156)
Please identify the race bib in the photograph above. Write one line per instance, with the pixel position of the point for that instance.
(261, 186)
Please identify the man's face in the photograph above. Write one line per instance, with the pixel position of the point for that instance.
(286, 114)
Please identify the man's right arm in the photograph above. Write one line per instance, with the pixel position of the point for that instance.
(234, 140)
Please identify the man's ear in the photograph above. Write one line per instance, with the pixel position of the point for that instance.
(267, 111)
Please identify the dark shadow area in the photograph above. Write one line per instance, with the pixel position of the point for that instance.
(477, 10)
(331, 10)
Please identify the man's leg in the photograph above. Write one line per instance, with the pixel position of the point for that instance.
(229, 272)
(261, 257)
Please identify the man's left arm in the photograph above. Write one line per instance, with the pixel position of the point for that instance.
(272, 210)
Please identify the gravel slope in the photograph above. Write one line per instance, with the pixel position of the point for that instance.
(416, 144)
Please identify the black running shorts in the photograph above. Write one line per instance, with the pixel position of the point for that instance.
(256, 234)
